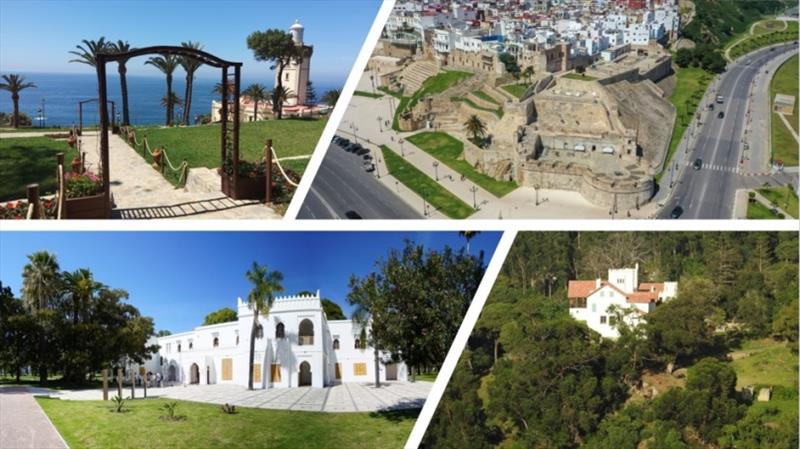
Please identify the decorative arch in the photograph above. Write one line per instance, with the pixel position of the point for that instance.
(194, 374)
(95, 100)
(305, 374)
(216, 342)
(306, 332)
(280, 331)
(336, 344)
(172, 373)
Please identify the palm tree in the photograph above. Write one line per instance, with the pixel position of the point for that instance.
(468, 235)
(40, 287)
(265, 284)
(166, 64)
(123, 47)
(88, 54)
(331, 97)
(80, 287)
(169, 102)
(190, 65)
(475, 127)
(282, 94)
(257, 93)
(15, 83)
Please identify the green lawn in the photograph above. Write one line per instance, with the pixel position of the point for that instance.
(498, 112)
(30, 129)
(757, 211)
(764, 39)
(516, 89)
(26, 160)
(428, 377)
(485, 97)
(433, 85)
(785, 197)
(784, 145)
(91, 424)
(691, 83)
(579, 76)
(769, 362)
(200, 144)
(448, 149)
(420, 183)
(361, 93)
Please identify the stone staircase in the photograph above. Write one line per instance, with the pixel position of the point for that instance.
(498, 93)
(202, 180)
(414, 74)
(446, 111)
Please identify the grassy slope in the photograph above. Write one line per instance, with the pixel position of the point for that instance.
(763, 39)
(448, 149)
(784, 197)
(90, 424)
(757, 211)
(424, 186)
(200, 144)
(769, 363)
(433, 85)
(578, 76)
(515, 89)
(485, 97)
(784, 145)
(498, 112)
(26, 160)
(361, 93)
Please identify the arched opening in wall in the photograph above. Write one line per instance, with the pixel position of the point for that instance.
(305, 374)
(280, 331)
(358, 344)
(306, 333)
(195, 374)
(216, 342)
(171, 374)
(336, 344)
(179, 347)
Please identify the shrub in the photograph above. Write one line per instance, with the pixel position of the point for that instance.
(229, 409)
(119, 404)
(751, 194)
(83, 184)
(171, 408)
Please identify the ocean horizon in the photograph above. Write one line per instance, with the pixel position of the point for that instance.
(61, 93)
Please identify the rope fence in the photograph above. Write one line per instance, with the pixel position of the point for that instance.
(280, 167)
(159, 156)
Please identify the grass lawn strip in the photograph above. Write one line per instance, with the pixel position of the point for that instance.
(27, 160)
(448, 149)
(580, 77)
(199, 145)
(690, 85)
(91, 424)
(498, 112)
(361, 93)
(784, 81)
(433, 85)
(517, 90)
(485, 97)
(783, 197)
(424, 186)
(758, 211)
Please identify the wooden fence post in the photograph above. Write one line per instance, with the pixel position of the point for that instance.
(33, 199)
(268, 171)
(105, 384)
(133, 384)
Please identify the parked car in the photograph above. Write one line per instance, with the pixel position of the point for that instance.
(361, 151)
(721, 114)
(676, 213)
(711, 106)
(352, 215)
(369, 168)
(367, 157)
(698, 164)
(720, 99)
(354, 147)
(343, 142)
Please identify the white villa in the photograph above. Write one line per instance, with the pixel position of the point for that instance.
(295, 80)
(297, 347)
(590, 300)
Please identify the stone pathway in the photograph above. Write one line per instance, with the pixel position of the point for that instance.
(23, 424)
(346, 397)
(140, 192)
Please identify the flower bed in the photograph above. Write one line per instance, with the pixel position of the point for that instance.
(84, 196)
(18, 210)
(252, 182)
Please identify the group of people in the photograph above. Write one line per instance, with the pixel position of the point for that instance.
(153, 380)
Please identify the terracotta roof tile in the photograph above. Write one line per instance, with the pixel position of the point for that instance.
(581, 289)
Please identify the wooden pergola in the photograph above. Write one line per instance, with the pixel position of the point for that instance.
(93, 100)
(199, 55)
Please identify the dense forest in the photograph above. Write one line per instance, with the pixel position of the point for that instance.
(532, 377)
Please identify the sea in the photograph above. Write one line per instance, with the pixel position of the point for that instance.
(60, 94)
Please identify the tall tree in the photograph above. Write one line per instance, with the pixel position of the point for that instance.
(311, 94)
(475, 127)
(87, 53)
(79, 290)
(468, 235)
(15, 83)
(257, 93)
(41, 284)
(166, 64)
(190, 65)
(265, 284)
(282, 94)
(121, 46)
(331, 97)
(277, 47)
(169, 101)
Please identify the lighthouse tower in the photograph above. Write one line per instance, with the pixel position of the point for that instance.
(296, 76)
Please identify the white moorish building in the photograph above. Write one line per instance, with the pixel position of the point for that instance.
(593, 301)
(297, 347)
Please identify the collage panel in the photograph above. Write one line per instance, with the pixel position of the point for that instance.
(631, 340)
(140, 115)
(228, 339)
(571, 110)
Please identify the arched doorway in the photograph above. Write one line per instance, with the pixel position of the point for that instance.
(306, 333)
(195, 371)
(171, 374)
(305, 374)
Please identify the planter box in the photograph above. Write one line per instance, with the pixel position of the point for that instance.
(86, 207)
(247, 188)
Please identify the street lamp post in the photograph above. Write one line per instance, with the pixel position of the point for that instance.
(380, 124)
(424, 204)
(402, 152)
(474, 191)
(354, 128)
(536, 191)
(436, 169)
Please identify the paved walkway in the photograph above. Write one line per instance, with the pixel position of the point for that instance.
(140, 192)
(346, 397)
(23, 424)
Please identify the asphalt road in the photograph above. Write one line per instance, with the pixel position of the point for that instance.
(709, 193)
(343, 188)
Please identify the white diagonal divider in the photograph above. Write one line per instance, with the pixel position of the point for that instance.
(460, 341)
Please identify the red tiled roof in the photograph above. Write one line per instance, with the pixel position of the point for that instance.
(581, 289)
(657, 287)
(642, 297)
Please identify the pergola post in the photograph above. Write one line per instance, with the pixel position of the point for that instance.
(223, 138)
(268, 170)
(103, 106)
(237, 69)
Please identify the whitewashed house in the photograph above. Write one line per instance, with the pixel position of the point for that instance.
(594, 301)
(297, 347)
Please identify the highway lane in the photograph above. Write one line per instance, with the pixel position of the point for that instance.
(709, 193)
(343, 189)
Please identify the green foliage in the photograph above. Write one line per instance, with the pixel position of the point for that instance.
(278, 48)
(163, 333)
(510, 63)
(332, 310)
(79, 185)
(223, 315)
(228, 409)
(119, 404)
(170, 409)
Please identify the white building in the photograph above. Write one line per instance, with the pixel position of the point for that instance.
(594, 301)
(297, 347)
(296, 76)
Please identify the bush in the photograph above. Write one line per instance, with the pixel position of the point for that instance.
(119, 404)
(79, 185)
(171, 408)
(228, 409)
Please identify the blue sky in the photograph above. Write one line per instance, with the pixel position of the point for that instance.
(179, 277)
(35, 36)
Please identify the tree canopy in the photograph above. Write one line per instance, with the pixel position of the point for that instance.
(223, 315)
